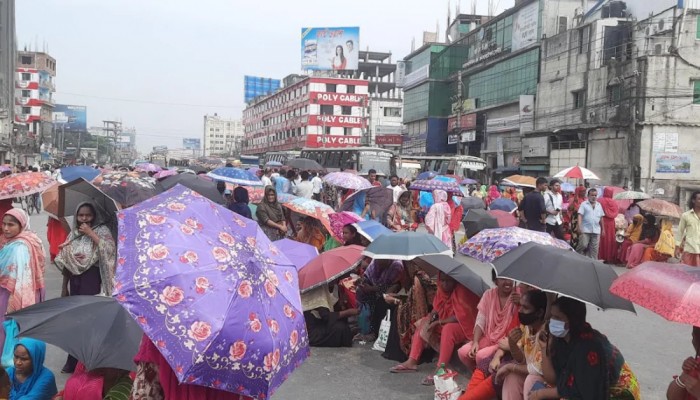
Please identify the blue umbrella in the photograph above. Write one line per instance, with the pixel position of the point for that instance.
(237, 176)
(371, 229)
(502, 204)
(273, 164)
(88, 173)
(426, 175)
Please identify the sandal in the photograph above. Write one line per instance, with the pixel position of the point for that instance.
(402, 369)
(428, 381)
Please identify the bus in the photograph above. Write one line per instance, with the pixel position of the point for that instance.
(280, 156)
(460, 165)
(249, 161)
(357, 158)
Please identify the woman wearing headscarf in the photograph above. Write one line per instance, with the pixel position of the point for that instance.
(22, 261)
(87, 259)
(608, 245)
(311, 233)
(437, 221)
(632, 234)
(326, 327)
(400, 216)
(239, 205)
(456, 214)
(29, 378)
(648, 238)
(271, 216)
(665, 247)
(494, 194)
(574, 205)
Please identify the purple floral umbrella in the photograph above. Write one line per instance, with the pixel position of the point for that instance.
(215, 296)
(347, 180)
(434, 184)
(147, 167)
(490, 244)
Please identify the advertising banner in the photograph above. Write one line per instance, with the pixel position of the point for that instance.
(525, 23)
(673, 163)
(338, 99)
(468, 136)
(255, 86)
(467, 121)
(503, 124)
(388, 140)
(527, 112)
(70, 118)
(160, 149)
(331, 141)
(345, 121)
(388, 130)
(328, 49)
(191, 143)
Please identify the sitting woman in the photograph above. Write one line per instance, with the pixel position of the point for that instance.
(326, 326)
(352, 237)
(401, 216)
(632, 234)
(686, 386)
(451, 323)
(665, 247)
(98, 384)
(29, 378)
(580, 362)
(311, 233)
(381, 277)
(239, 205)
(498, 310)
(648, 238)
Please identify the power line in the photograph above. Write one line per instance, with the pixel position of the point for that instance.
(150, 101)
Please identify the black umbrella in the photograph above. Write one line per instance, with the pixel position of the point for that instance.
(461, 271)
(304, 164)
(472, 203)
(199, 184)
(563, 272)
(78, 191)
(476, 221)
(96, 330)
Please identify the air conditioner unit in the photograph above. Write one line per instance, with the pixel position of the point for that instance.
(651, 30)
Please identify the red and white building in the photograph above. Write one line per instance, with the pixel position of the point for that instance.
(309, 112)
(34, 88)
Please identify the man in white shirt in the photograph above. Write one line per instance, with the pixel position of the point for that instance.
(553, 201)
(318, 186)
(395, 187)
(304, 188)
(265, 178)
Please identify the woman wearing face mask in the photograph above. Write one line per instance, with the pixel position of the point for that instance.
(580, 362)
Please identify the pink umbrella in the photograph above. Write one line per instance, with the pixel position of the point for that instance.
(670, 290)
(329, 266)
(165, 173)
(339, 220)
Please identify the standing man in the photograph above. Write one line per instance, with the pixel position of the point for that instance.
(689, 229)
(318, 186)
(282, 184)
(394, 185)
(532, 208)
(372, 177)
(265, 177)
(590, 225)
(304, 188)
(553, 202)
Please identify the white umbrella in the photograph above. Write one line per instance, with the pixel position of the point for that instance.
(577, 173)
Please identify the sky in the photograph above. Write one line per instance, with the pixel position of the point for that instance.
(161, 65)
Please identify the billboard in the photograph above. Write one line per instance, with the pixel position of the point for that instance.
(70, 118)
(525, 23)
(326, 49)
(191, 143)
(255, 86)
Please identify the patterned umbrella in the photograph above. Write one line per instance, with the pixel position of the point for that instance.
(339, 220)
(670, 290)
(5, 168)
(435, 184)
(427, 175)
(147, 167)
(215, 296)
(165, 173)
(49, 200)
(577, 173)
(502, 204)
(656, 207)
(490, 244)
(630, 195)
(68, 174)
(328, 266)
(127, 188)
(312, 208)
(347, 180)
(236, 176)
(24, 184)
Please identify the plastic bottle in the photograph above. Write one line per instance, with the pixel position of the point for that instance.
(442, 370)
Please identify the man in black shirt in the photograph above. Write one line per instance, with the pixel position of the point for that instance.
(532, 208)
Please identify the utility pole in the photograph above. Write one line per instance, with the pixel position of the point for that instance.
(459, 109)
(634, 141)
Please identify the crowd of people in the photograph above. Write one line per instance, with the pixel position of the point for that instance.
(516, 341)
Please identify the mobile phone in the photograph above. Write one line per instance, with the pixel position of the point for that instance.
(538, 386)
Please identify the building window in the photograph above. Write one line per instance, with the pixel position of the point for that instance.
(697, 28)
(351, 89)
(330, 88)
(326, 110)
(25, 93)
(26, 76)
(392, 112)
(346, 110)
(579, 99)
(347, 131)
(327, 130)
(583, 39)
(614, 94)
(696, 92)
(26, 110)
(26, 60)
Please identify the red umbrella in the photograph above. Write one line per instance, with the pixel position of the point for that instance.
(505, 219)
(670, 290)
(329, 266)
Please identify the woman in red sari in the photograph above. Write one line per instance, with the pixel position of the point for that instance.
(608, 245)
(451, 323)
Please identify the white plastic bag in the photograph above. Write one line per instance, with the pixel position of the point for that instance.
(383, 337)
(446, 387)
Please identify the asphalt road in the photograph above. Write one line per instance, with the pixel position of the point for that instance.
(654, 348)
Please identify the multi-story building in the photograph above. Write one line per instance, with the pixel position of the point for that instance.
(34, 102)
(8, 59)
(308, 112)
(222, 136)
